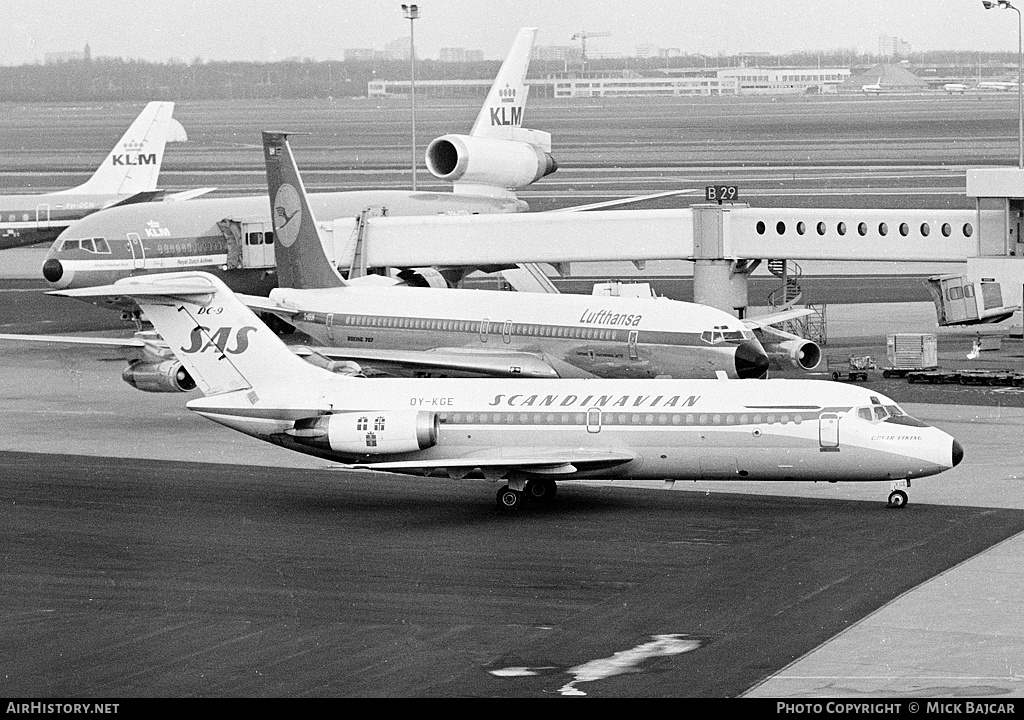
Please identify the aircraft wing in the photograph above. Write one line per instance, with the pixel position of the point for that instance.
(143, 196)
(187, 194)
(115, 342)
(486, 363)
(761, 321)
(623, 201)
(497, 462)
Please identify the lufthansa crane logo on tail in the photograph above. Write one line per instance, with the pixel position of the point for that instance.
(287, 215)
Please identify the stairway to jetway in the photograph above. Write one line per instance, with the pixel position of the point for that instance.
(787, 297)
(529, 277)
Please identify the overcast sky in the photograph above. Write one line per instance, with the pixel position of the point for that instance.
(261, 30)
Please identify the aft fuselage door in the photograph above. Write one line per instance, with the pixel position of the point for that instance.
(633, 353)
(506, 332)
(138, 252)
(828, 432)
(329, 322)
(594, 420)
(485, 326)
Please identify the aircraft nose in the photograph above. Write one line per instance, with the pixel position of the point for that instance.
(751, 360)
(53, 271)
(958, 453)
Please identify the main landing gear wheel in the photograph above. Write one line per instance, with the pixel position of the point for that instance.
(542, 489)
(509, 499)
(897, 499)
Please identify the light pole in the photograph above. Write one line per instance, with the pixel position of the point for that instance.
(412, 12)
(1005, 4)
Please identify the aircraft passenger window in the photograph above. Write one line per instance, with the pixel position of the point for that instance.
(268, 238)
(703, 419)
(946, 230)
(862, 228)
(780, 228)
(254, 238)
(968, 291)
(883, 229)
(821, 228)
(24, 217)
(841, 228)
(760, 227)
(968, 230)
(925, 229)
(800, 228)
(904, 229)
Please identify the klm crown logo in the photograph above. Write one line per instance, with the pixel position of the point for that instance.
(130, 146)
(507, 94)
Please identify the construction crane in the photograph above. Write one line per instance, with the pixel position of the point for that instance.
(582, 36)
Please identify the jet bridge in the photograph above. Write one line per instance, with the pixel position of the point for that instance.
(725, 242)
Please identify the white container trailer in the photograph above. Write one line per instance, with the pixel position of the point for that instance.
(911, 351)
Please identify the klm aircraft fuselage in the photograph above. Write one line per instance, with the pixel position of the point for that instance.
(31, 219)
(152, 238)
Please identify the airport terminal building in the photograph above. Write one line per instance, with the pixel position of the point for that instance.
(726, 81)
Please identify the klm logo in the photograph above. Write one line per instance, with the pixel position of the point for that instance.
(221, 340)
(154, 230)
(137, 159)
(513, 116)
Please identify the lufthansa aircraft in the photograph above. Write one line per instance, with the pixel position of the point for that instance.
(486, 168)
(128, 175)
(485, 331)
(530, 433)
(424, 331)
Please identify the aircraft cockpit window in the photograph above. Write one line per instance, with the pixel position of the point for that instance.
(102, 246)
(864, 413)
(71, 245)
(89, 245)
(880, 412)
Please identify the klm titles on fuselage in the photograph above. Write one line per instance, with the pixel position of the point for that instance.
(136, 159)
(513, 117)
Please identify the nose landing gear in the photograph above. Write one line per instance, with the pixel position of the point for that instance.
(898, 498)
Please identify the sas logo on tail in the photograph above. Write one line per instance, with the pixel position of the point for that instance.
(136, 159)
(202, 340)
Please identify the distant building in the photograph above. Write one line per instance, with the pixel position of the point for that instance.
(71, 56)
(364, 54)
(556, 52)
(892, 46)
(785, 80)
(460, 55)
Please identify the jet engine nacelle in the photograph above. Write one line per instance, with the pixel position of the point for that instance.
(800, 353)
(369, 433)
(163, 376)
(486, 161)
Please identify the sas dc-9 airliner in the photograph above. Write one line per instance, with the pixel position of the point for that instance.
(529, 434)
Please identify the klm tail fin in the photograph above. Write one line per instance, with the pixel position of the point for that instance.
(503, 108)
(221, 343)
(298, 249)
(133, 165)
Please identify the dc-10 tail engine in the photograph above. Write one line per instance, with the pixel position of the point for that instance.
(369, 433)
(483, 162)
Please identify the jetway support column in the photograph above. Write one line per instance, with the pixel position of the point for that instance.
(719, 281)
